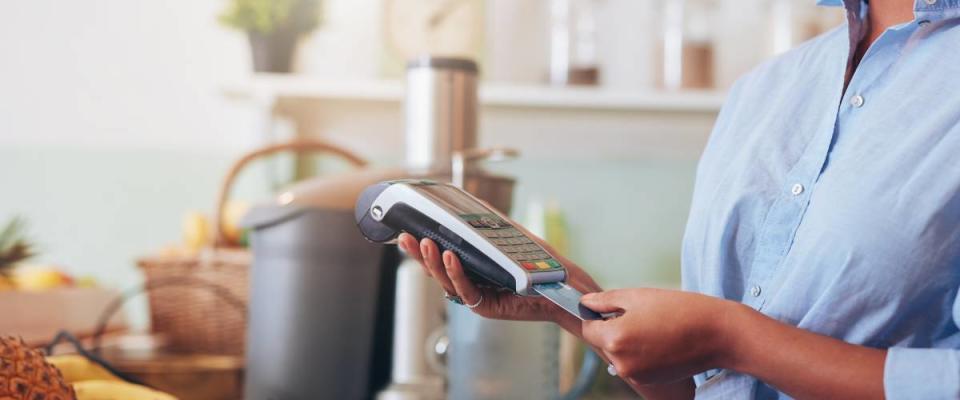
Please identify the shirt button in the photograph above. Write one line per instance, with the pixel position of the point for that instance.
(755, 290)
(857, 101)
(796, 189)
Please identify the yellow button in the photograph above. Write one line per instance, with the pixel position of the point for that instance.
(543, 265)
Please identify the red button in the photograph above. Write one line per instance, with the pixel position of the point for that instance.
(529, 266)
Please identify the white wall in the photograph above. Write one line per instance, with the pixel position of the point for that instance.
(120, 73)
(112, 125)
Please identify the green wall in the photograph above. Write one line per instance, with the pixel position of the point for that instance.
(94, 211)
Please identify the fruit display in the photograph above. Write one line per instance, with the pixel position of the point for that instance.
(198, 231)
(233, 212)
(40, 278)
(116, 390)
(77, 368)
(14, 249)
(25, 375)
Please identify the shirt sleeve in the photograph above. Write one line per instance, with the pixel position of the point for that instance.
(914, 373)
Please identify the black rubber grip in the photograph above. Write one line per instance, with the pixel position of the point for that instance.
(480, 268)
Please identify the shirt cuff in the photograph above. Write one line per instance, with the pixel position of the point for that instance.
(921, 374)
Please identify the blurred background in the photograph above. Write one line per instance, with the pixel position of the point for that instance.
(119, 119)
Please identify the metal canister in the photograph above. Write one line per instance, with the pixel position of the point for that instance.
(441, 111)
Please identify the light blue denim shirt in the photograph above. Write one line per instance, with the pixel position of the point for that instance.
(839, 212)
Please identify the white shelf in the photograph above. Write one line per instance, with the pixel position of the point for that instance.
(278, 86)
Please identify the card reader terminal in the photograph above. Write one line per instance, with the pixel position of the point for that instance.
(492, 251)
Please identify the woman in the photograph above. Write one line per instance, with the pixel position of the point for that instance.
(822, 253)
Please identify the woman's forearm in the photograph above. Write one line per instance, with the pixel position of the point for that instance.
(801, 363)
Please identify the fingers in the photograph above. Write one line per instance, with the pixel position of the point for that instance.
(446, 270)
(431, 259)
(465, 289)
(604, 302)
(606, 336)
(594, 333)
(409, 245)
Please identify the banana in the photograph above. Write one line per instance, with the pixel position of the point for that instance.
(116, 390)
(76, 368)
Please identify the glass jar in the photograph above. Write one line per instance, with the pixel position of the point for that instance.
(573, 43)
(687, 43)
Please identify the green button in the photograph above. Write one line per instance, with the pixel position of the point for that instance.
(553, 263)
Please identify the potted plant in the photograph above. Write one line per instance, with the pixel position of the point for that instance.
(274, 28)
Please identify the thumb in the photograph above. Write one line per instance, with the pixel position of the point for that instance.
(603, 302)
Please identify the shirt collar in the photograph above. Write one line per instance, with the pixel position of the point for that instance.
(926, 8)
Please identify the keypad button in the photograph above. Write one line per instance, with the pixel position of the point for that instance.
(539, 255)
(553, 263)
(543, 265)
(529, 266)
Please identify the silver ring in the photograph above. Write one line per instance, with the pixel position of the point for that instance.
(611, 370)
(477, 303)
(453, 298)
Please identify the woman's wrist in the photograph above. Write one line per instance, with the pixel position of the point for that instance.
(732, 333)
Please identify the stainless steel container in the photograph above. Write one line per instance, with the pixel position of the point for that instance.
(441, 111)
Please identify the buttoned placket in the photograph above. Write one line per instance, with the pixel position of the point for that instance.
(786, 213)
(789, 207)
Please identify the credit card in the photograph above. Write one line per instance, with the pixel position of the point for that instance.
(567, 298)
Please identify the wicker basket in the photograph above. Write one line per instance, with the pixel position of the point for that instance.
(198, 302)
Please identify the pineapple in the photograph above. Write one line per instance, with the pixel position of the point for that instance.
(14, 248)
(25, 375)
